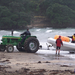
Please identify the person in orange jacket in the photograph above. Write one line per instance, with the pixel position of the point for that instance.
(58, 45)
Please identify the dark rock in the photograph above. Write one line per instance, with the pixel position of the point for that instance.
(39, 61)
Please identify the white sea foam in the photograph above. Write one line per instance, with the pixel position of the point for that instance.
(15, 32)
(48, 31)
(38, 29)
(42, 35)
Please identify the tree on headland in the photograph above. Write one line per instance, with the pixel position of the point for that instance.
(19, 13)
(60, 14)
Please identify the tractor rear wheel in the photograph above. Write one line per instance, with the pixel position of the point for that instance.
(31, 45)
(10, 48)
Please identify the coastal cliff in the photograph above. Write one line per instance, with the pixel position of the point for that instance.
(39, 21)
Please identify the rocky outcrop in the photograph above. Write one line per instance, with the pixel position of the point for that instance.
(39, 21)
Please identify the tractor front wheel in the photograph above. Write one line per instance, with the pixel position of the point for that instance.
(10, 48)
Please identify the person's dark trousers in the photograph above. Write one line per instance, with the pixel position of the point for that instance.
(73, 41)
(23, 39)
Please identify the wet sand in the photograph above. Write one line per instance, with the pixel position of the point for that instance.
(19, 63)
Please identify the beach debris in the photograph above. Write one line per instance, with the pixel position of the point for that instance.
(61, 72)
(27, 71)
(5, 60)
(37, 72)
(39, 61)
(65, 66)
(47, 62)
(4, 67)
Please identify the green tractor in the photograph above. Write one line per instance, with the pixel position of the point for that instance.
(30, 45)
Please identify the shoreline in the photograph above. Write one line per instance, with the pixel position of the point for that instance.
(30, 62)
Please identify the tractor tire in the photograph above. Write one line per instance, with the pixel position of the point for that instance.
(20, 49)
(10, 48)
(31, 45)
(2, 48)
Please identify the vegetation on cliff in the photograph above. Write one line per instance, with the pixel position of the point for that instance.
(17, 14)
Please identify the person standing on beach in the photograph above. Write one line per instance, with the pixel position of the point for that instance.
(58, 45)
(12, 32)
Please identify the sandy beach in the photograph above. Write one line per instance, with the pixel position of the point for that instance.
(19, 63)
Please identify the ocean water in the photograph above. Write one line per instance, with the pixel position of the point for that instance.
(42, 35)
